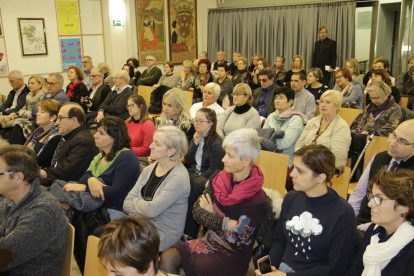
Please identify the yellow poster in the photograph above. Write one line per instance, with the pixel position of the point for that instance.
(68, 17)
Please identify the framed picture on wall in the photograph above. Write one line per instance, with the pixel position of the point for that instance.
(182, 20)
(71, 52)
(32, 36)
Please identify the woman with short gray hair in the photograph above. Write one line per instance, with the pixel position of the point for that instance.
(210, 95)
(162, 190)
(314, 78)
(231, 208)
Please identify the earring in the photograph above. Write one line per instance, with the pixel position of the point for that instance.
(402, 215)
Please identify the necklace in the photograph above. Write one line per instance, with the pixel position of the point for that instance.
(149, 198)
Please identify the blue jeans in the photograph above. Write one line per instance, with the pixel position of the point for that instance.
(114, 214)
(285, 268)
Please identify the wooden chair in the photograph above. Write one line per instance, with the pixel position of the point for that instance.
(340, 184)
(317, 111)
(274, 167)
(349, 114)
(93, 266)
(67, 264)
(3, 98)
(178, 74)
(189, 98)
(404, 101)
(145, 92)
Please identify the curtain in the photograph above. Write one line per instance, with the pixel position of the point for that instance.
(282, 31)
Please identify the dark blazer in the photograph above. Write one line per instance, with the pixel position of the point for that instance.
(151, 78)
(137, 76)
(80, 91)
(326, 55)
(115, 105)
(100, 95)
(210, 159)
(21, 101)
(270, 106)
(76, 154)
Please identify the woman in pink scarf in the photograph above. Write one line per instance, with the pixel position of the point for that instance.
(230, 209)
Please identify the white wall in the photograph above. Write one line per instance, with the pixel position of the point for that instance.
(362, 39)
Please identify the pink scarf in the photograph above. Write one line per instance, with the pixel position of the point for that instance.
(229, 195)
(72, 87)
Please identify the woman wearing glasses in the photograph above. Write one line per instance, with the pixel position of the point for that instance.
(205, 151)
(388, 245)
(140, 127)
(382, 115)
(351, 90)
(242, 114)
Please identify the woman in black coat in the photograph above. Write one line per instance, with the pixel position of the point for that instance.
(76, 89)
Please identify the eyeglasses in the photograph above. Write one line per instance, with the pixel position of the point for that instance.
(130, 106)
(12, 81)
(263, 80)
(400, 141)
(338, 77)
(94, 76)
(149, 59)
(202, 66)
(51, 83)
(377, 199)
(238, 94)
(200, 122)
(84, 62)
(63, 117)
(3, 173)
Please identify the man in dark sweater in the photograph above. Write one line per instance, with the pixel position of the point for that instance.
(324, 54)
(75, 150)
(32, 224)
(17, 96)
(151, 75)
(400, 155)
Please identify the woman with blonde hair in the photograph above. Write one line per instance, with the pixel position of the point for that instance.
(352, 65)
(253, 63)
(187, 76)
(241, 114)
(298, 65)
(108, 78)
(175, 112)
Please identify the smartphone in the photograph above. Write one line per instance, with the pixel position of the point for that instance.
(264, 265)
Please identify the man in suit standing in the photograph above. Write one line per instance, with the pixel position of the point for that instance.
(324, 55)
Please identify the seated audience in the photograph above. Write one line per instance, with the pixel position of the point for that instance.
(195, 65)
(46, 137)
(37, 87)
(351, 90)
(203, 55)
(408, 86)
(75, 150)
(253, 63)
(34, 227)
(231, 208)
(242, 75)
(140, 127)
(307, 235)
(298, 65)
(314, 81)
(129, 246)
(114, 171)
(175, 112)
(97, 94)
(187, 76)
(55, 89)
(226, 84)
(151, 75)
(87, 67)
(130, 70)
(383, 64)
(404, 76)
(169, 79)
(388, 245)
(280, 71)
(205, 151)
(398, 156)
(16, 98)
(135, 64)
(262, 95)
(382, 75)
(203, 77)
(161, 192)
(261, 64)
(76, 89)
(221, 58)
(210, 95)
(382, 115)
(328, 128)
(368, 74)
(233, 65)
(108, 78)
(304, 100)
(285, 119)
(353, 66)
(241, 114)
(116, 102)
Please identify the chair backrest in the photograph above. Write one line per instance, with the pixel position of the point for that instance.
(404, 101)
(377, 145)
(93, 266)
(67, 264)
(317, 111)
(274, 167)
(145, 92)
(189, 98)
(340, 184)
(349, 114)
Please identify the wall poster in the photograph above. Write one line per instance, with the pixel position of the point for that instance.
(68, 17)
(32, 36)
(71, 52)
(151, 30)
(182, 19)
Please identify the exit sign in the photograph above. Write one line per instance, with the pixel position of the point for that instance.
(117, 22)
